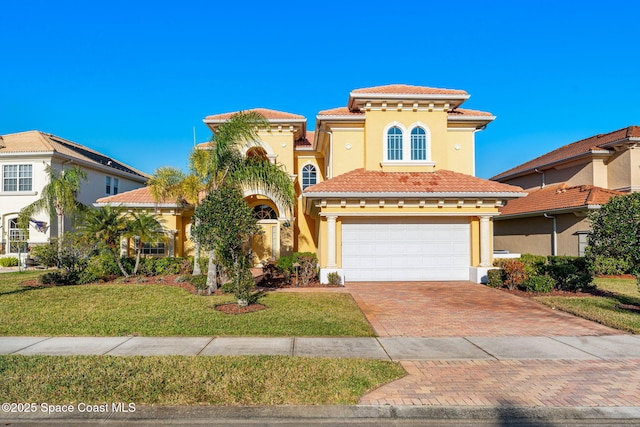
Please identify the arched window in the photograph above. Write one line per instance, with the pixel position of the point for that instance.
(264, 212)
(418, 144)
(394, 143)
(309, 176)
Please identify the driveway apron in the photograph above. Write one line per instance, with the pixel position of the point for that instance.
(461, 309)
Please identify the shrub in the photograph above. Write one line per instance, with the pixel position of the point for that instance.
(59, 278)
(9, 262)
(569, 273)
(542, 283)
(199, 282)
(46, 254)
(285, 265)
(334, 278)
(602, 265)
(495, 278)
(514, 273)
(308, 269)
(533, 264)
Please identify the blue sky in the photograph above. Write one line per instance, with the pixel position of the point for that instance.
(133, 78)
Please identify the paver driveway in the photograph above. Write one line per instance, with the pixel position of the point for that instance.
(461, 309)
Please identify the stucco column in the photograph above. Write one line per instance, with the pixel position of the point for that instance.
(331, 241)
(171, 250)
(485, 242)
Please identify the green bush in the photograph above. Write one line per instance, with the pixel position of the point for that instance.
(495, 278)
(334, 278)
(541, 283)
(9, 262)
(605, 266)
(58, 278)
(569, 273)
(533, 264)
(199, 282)
(46, 254)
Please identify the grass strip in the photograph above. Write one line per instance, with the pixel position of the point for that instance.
(191, 380)
(161, 310)
(608, 310)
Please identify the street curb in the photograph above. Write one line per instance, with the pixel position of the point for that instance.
(175, 415)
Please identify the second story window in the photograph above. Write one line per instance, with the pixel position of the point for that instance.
(115, 185)
(309, 176)
(418, 144)
(394, 143)
(108, 185)
(17, 178)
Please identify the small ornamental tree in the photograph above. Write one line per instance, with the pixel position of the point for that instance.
(616, 231)
(225, 224)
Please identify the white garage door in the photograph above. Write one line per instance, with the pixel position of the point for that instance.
(405, 249)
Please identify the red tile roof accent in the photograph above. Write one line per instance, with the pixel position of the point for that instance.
(572, 150)
(555, 197)
(466, 112)
(341, 111)
(268, 114)
(400, 89)
(440, 181)
(307, 140)
(140, 195)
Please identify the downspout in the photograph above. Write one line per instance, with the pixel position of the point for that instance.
(330, 165)
(554, 249)
(536, 170)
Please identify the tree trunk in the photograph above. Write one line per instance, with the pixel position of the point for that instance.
(60, 234)
(196, 253)
(212, 280)
(135, 269)
(119, 262)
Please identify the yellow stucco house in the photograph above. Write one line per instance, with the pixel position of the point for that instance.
(385, 187)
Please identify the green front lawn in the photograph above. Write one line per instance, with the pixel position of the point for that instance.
(196, 380)
(608, 310)
(158, 310)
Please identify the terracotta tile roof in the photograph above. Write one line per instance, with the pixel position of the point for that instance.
(574, 149)
(466, 112)
(137, 197)
(36, 141)
(557, 197)
(268, 114)
(440, 181)
(307, 140)
(400, 89)
(341, 111)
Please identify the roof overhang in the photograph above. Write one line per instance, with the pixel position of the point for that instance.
(359, 99)
(559, 211)
(434, 195)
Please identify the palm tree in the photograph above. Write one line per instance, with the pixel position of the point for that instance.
(58, 198)
(223, 163)
(105, 226)
(145, 228)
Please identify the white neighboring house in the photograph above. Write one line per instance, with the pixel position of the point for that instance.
(23, 158)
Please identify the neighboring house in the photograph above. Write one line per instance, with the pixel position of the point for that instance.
(385, 187)
(23, 157)
(174, 217)
(563, 185)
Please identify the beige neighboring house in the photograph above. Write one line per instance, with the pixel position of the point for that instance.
(23, 159)
(563, 186)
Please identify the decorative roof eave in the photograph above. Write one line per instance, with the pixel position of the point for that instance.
(143, 205)
(277, 121)
(558, 211)
(341, 118)
(354, 97)
(594, 152)
(26, 153)
(433, 195)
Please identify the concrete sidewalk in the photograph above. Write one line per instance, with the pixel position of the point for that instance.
(382, 348)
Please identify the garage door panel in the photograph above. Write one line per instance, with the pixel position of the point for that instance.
(394, 249)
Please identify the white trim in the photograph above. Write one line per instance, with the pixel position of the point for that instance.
(434, 195)
(408, 214)
(407, 163)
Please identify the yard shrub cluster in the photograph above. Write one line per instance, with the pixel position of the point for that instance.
(9, 262)
(600, 265)
(307, 269)
(535, 273)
